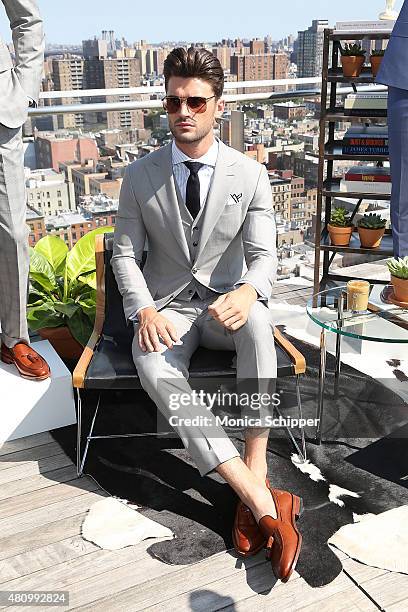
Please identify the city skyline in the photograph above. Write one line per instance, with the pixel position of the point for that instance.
(161, 22)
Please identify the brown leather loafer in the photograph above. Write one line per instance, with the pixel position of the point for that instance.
(27, 361)
(283, 538)
(247, 537)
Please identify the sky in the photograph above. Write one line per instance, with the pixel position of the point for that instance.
(164, 20)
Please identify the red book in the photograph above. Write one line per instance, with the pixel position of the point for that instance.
(370, 178)
(365, 142)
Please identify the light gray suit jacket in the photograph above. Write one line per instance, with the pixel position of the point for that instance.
(20, 84)
(394, 66)
(236, 235)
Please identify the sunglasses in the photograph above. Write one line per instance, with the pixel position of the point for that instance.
(197, 104)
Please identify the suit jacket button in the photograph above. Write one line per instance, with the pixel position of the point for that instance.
(195, 243)
(194, 270)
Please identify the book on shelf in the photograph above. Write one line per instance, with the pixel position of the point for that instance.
(369, 174)
(367, 131)
(364, 150)
(360, 95)
(363, 112)
(379, 188)
(366, 139)
(366, 100)
(364, 26)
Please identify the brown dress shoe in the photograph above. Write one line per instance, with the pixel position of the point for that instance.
(27, 361)
(247, 537)
(283, 538)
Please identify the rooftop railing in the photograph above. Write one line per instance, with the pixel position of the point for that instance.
(158, 90)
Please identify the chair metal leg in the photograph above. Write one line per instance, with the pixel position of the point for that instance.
(81, 463)
(79, 434)
(300, 413)
(300, 451)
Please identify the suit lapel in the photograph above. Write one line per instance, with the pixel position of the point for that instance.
(162, 179)
(221, 187)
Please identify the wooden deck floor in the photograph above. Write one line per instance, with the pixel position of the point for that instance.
(42, 507)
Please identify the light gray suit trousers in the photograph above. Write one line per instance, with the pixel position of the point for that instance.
(165, 373)
(14, 257)
(19, 84)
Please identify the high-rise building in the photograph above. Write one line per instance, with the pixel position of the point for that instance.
(223, 54)
(256, 47)
(68, 74)
(116, 72)
(122, 73)
(232, 130)
(310, 49)
(260, 67)
(94, 48)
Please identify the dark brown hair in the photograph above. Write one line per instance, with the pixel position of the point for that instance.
(195, 63)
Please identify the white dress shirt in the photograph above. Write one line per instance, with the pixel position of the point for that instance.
(205, 174)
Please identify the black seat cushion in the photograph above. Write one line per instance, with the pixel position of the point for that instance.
(112, 365)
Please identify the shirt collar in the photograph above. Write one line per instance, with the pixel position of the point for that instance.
(208, 159)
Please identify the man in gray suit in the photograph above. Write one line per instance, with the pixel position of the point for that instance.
(206, 211)
(19, 88)
(394, 73)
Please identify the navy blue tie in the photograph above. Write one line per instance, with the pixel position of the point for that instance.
(193, 188)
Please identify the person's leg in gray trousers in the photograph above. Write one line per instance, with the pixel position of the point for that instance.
(14, 255)
(165, 373)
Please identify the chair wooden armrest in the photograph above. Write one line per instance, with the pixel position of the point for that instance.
(298, 359)
(78, 376)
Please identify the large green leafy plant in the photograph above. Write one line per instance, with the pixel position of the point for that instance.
(63, 285)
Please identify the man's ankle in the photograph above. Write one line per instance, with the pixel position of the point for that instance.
(260, 470)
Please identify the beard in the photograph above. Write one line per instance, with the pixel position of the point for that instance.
(197, 135)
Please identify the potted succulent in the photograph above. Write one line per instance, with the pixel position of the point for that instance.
(371, 228)
(352, 59)
(340, 227)
(399, 277)
(376, 59)
(62, 293)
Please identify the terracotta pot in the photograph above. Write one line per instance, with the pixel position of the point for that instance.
(340, 236)
(375, 63)
(400, 288)
(370, 238)
(352, 65)
(63, 341)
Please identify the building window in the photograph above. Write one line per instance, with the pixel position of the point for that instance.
(58, 193)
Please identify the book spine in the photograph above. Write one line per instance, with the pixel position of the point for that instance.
(367, 95)
(365, 142)
(349, 150)
(361, 112)
(371, 178)
(364, 187)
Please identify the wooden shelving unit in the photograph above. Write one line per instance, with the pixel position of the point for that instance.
(330, 151)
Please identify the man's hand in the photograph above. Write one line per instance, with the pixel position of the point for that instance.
(152, 327)
(232, 309)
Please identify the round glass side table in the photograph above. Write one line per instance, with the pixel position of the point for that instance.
(328, 310)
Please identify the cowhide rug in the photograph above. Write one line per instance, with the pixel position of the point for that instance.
(361, 468)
